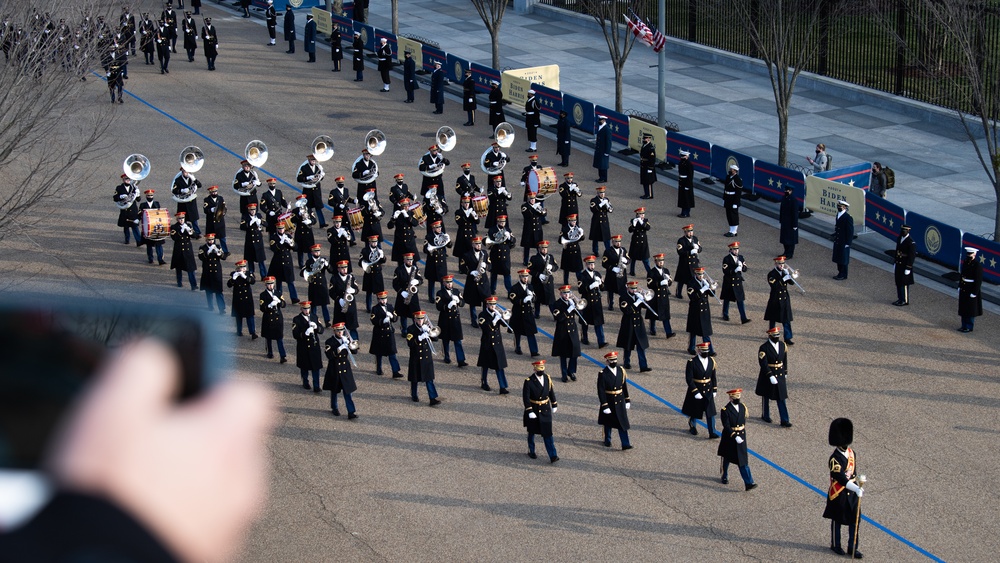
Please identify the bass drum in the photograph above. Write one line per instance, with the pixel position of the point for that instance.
(543, 182)
(155, 224)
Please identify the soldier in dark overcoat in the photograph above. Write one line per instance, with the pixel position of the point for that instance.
(566, 334)
(563, 138)
(272, 321)
(499, 196)
(339, 377)
(437, 88)
(211, 256)
(340, 241)
(772, 378)
(496, 106)
(409, 76)
(243, 305)
(358, 60)
(281, 266)
(733, 445)
(658, 280)
(383, 341)
(436, 256)
(543, 266)
(699, 317)
(152, 243)
(569, 193)
(970, 296)
(308, 351)
(788, 218)
(500, 252)
(632, 333)
(475, 264)
(614, 262)
(647, 166)
(344, 291)
(128, 218)
(539, 398)
(638, 247)
(733, 266)
(906, 254)
(371, 260)
(602, 149)
(532, 119)
(522, 320)
(779, 303)
(843, 498)
(688, 249)
(843, 235)
(253, 242)
(184, 186)
(732, 194)
(531, 230)
(590, 284)
(190, 29)
(317, 284)
(469, 97)
(303, 219)
(404, 278)
(492, 355)
(214, 207)
(421, 363)
(701, 389)
(404, 240)
(612, 393)
(384, 53)
(336, 48)
(466, 221)
(182, 259)
(572, 256)
(449, 302)
(600, 224)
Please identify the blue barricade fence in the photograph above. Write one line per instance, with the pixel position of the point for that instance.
(701, 151)
(769, 180)
(618, 122)
(883, 216)
(989, 255)
(935, 240)
(346, 25)
(722, 158)
(280, 5)
(483, 75)
(581, 113)
(550, 100)
(455, 69)
(391, 39)
(856, 175)
(432, 55)
(367, 35)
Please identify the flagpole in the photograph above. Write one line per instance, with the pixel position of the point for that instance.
(661, 69)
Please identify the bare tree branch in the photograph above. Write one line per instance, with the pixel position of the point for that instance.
(610, 16)
(491, 12)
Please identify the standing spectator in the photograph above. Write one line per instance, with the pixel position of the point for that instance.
(437, 88)
(602, 149)
(384, 53)
(210, 41)
(309, 38)
(563, 148)
(880, 183)
(732, 194)
(359, 57)
(496, 106)
(970, 299)
(410, 76)
(788, 217)
(289, 28)
(822, 160)
(308, 352)
(539, 405)
(336, 48)
(532, 120)
(271, 17)
(733, 445)
(647, 166)
(906, 253)
(843, 234)
(469, 97)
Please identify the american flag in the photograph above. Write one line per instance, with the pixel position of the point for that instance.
(642, 32)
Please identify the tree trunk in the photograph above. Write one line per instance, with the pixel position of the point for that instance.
(495, 41)
(618, 87)
(395, 17)
(783, 136)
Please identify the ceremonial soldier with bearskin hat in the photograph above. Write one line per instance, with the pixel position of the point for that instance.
(843, 498)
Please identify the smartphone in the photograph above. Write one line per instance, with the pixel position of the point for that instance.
(50, 350)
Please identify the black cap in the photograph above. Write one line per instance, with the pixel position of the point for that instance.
(841, 432)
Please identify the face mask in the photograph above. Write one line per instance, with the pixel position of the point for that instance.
(736, 401)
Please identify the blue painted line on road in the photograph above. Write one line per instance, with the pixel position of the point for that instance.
(595, 361)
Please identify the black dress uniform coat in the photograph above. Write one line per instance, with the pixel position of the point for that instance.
(340, 245)
(383, 333)
(436, 259)
(906, 254)
(638, 247)
(647, 164)
(142, 207)
(211, 268)
(410, 76)
(602, 148)
(466, 185)
(531, 231)
(304, 219)
(570, 205)
(431, 163)
(700, 380)
(498, 203)
(437, 87)
(788, 217)
(421, 362)
(308, 350)
(358, 62)
(632, 333)
(732, 280)
(340, 200)
(190, 183)
(496, 107)
(477, 289)
(685, 184)
(971, 284)
(779, 305)
(272, 321)
(338, 290)
(600, 227)
(615, 258)
(252, 181)
(401, 281)
(566, 335)
(281, 266)
(450, 319)
(539, 398)
(384, 53)
(127, 216)
(336, 45)
(841, 503)
(210, 40)
(532, 117)
(563, 138)
(732, 194)
(491, 352)
(545, 291)
(734, 420)
(469, 94)
(314, 194)
(843, 235)
(318, 289)
(271, 18)
(372, 282)
(253, 246)
(466, 220)
(594, 312)
(405, 239)
(272, 204)
(612, 392)
(183, 256)
(699, 319)
(522, 314)
(572, 258)
(661, 293)
(339, 376)
(773, 359)
(210, 207)
(686, 261)
(372, 221)
(242, 294)
(500, 252)
(289, 24)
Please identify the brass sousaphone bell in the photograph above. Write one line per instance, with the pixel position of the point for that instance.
(136, 167)
(322, 148)
(191, 160)
(256, 153)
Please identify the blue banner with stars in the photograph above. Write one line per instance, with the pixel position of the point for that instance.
(936, 241)
(988, 256)
(769, 180)
(431, 55)
(883, 216)
(455, 69)
(618, 122)
(550, 100)
(723, 158)
(581, 113)
(701, 151)
(483, 75)
(856, 175)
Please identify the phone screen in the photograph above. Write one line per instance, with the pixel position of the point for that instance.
(50, 352)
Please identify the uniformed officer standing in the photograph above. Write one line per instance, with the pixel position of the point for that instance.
(732, 194)
(339, 376)
(308, 353)
(532, 120)
(846, 489)
(569, 193)
(612, 392)
(469, 97)
(492, 355)
(843, 235)
(687, 258)
(437, 88)
(271, 17)
(182, 259)
(406, 277)
(632, 333)
(572, 256)
(591, 283)
(906, 253)
(614, 261)
(702, 388)
(638, 248)
(288, 27)
(659, 281)
(779, 303)
(566, 335)
(733, 266)
(214, 207)
(733, 445)
(281, 266)
(253, 244)
(336, 48)
(685, 184)
(384, 335)
(602, 149)
(211, 256)
(788, 217)
(241, 281)
(496, 106)
(272, 322)
(449, 303)
(531, 231)
(384, 53)
(421, 364)
(358, 61)
(539, 398)
(699, 319)
(522, 319)
(970, 297)
(543, 266)
(600, 225)
(500, 253)
(647, 166)
(772, 379)
(210, 43)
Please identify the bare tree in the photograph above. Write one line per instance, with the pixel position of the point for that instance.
(491, 11)
(620, 40)
(49, 114)
(786, 35)
(395, 17)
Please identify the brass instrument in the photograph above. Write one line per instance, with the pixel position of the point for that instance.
(315, 269)
(373, 257)
(411, 290)
(499, 237)
(713, 286)
(496, 167)
(256, 153)
(322, 148)
(504, 318)
(574, 235)
(435, 203)
(446, 139)
(432, 331)
(504, 134)
(441, 240)
(220, 211)
(372, 174)
(313, 179)
(375, 142)
(350, 346)
(193, 191)
(481, 269)
(579, 304)
(645, 297)
(537, 206)
(795, 276)
(136, 167)
(192, 159)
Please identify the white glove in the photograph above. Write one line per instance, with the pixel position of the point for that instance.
(423, 336)
(571, 307)
(697, 396)
(665, 281)
(854, 488)
(787, 278)
(532, 415)
(973, 295)
(307, 221)
(452, 304)
(342, 302)
(774, 380)
(386, 321)
(235, 275)
(405, 294)
(606, 411)
(906, 272)
(739, 440)
(635, 221)
(616, 270)
(271, 213)
(595, 285)
(861, 492)
(496, 318)
(694, 250)
(735, 206)
(628, 406)
(554, 409)
(543, 277)
(309, 331)
(527, 299)
(136, 221)
(739, 268)
(212, 209)
(714, 394)
(274, 303)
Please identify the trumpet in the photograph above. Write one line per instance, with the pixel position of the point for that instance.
(712, 286)
(537, 206)
(579, 304)
(432, 331)
(350, 346)
(504, 318)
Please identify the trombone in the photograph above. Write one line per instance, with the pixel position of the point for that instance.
(504, 317)
(644, 298)
(432, 331)
(794, 274)
(579, 303)
(713, 286)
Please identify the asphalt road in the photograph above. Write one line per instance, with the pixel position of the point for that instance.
(405, 482)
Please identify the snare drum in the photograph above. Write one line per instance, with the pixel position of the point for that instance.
(543, 182)
(286, 220)
(481, 204)
(416, 210)
(355, 218)
(155, 224)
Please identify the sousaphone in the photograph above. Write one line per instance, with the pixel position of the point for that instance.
(191, 160)
(136, 167)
